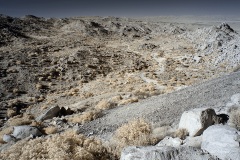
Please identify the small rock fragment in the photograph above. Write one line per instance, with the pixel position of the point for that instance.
(169, 141)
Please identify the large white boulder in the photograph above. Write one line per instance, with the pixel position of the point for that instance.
(21, 132)
(195, 121)
(222, 141)
(164, 153)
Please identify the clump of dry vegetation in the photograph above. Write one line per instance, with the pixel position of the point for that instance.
(136, 132)
(161, 132)
(128, 101)
(181, 133)
(85, 117)
(234, 118)
(50, 130)
(104, 105)
(24, 119)
(67, 145)
(11, 112)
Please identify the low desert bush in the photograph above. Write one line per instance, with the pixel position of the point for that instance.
(20, 120)
(181, 133)
(136, 132)
(116, 98)
(161, 132)
(11, 112)
(234, 118)
(85, 117)
(104, 104)
(50, 130)
(128, 101)
(64, 146)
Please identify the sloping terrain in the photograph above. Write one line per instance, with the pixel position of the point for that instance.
(94, 68)
(167, 109)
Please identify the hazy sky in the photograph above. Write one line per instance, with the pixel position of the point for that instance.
(67, 8)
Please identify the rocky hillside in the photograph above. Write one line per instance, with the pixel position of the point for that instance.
(58, 75)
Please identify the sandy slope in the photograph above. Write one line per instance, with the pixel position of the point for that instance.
(166, 109)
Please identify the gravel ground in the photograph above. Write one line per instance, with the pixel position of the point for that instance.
(167, 109)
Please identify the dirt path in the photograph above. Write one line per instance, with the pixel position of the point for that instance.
(167, 108)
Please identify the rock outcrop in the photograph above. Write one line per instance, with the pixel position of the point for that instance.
(49, 113)
(197, 120)
(222, 141)
(164, 153)
(21, 132)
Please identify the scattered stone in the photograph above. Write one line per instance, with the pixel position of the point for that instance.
(147, 46)
(171, 142)
(8, 138)
(49, 113)
(65, 111)
(197, 120)
(164, 153)
(222, 141)
(197, 59)
(21, 132)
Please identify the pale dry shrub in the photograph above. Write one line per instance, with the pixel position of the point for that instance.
(73, 92)
(65, 146)
(160, 133)
(136, 132)
(234, 118)
(39, 86)
(169, 89)
(7, 130)
(88, 94)
(43, 107)
(116, 98)
(50, 130)
(128, 101)
(24, 119)
(85, 117)
(11, 112)
(181, 133)
(36, 124)
(104, 104)
(141, 94)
